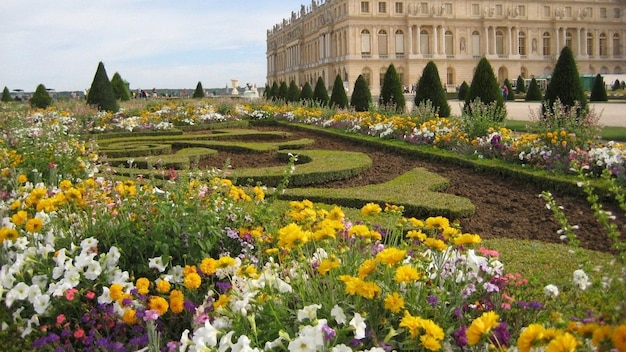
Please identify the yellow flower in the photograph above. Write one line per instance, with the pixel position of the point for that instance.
(406, 274)
(15, 205)
(158, 304)
(416, 234)
(226, 261)
(65, 185)
(21, 178)
(116, 291)
(34, 225)
(192, 281)
(370, 208)
(619, 337)
(601, 335)
(188, 269)
(221, 302)
(19, 218)
(430, 343)
(163, 286)
(142, 285)
(435, 244)
(530, 337)
(292, 236)
(335, 214)
(390, 256)
(326, 265)
(208, 266)
(394, 302)
(359, 230)
(177, 301)
(368, 289)
(130, 317)
(366, 268)
(467, 239)
(352, 283)
(7, 233)
(563, 343)
(259, 193)
(438, 222)
(416, 222)
(481, 326)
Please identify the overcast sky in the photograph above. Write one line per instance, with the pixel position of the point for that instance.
(156, 43)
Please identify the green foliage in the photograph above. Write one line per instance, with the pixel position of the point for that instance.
(565, 84)
(283, 91)
(273, 93)
(101, 92)
(429, 88)
(120, 88)
(479, 118)
(199, 92)
(338, 97)
(616, 85)
(534, 92)
(293, 93)
(463, 91)
(485, 88)
(391, 93)
(306, 95)
(41, 98)
(598, 91)
(361, 98)
(320, 93)
(511, 95)
(6, 95)
(521, 85)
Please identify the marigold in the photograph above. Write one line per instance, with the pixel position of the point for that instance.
(368, 289)
(177, 301)
(530, 337)
(208, 266)
(7, 233)
(481, 326)
(366, 268)
(416, 234)
(371, 208)
(394, 302)
(158, 304)
(619, 337)
(435, 244)
(406, 274)
(130, 317)
(19, 218)
(467, 239)
(142, 285)
(438, 222)
(192, 281)
(163, 286)
(390, 256)
(226, 261)
(116, 291)
(563, 343)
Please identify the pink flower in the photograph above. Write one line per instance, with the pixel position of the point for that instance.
(90, 295)
(488, 252)
(60, 319)
(69, 294)
(151, 314)
(79, 334)
(52, 165)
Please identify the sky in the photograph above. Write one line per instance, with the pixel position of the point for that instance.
(151, 44)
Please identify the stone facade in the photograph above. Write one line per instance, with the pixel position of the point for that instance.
(519, 37)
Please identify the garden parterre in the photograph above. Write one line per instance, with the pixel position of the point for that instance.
(89, 263)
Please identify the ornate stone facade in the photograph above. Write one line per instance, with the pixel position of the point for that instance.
(519, 37)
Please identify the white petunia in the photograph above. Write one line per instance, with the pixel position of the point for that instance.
(308, 312)
(41, 303)
(157, 263)
(338, 314)
(358, 323)
(205, 337)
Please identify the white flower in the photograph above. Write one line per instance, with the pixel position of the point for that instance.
(338, 314)
(205, 337)
(551, 291)
(358, 323)
(157, 263)
(41, 303)
(17, 293)
(308, 312)
(341, 348)
(581, 279)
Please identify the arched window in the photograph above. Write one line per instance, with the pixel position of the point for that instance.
(424, 42)
(604, 70)
(617, 45)
(449, 40)
(618, 70)
(499, 42)
(603, 46)
(382, 42)
(476, 44)
(589, 44)
(399, 42)
(521, 42)
(366, 46)
(547, 38)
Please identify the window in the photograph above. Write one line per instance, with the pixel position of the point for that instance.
(546, 11)
(499, 42)
(450, 77)
(603, 45)
(617, 12)
(589, 44)
(382, 7)
(365, 6)
(447, 8)
(589, 11)
(367, 73)
(399, 42)
(568, 39)
(382, 43)
(475, 10)
(399, 7)
(449, 40)
(521, 10)
(546, 43)
(603, 12)
(522, 43)
(424, 42)
(617, 45)
(366, 47)
(475, 44)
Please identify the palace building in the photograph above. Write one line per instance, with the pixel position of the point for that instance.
(518, 37)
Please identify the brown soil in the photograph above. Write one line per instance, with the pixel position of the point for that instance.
(503, 208)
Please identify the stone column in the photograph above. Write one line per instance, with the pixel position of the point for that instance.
(435, 40)
(410, 48)
(487, 41)
(509, 33)
(419, 40)
(443, 40)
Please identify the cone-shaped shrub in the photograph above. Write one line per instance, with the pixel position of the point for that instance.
(509, 88)
(598, 92)
(463, 91)
(484, 86)
(361, 98)
(320, 93)
(565, 84)
(41, 99)
(306, 95)
(520, 85)
(429, 88)
(283, 91)
(391, 93)
(101, 93)
(616, 85)
(338, 97)
(534, 92)
(6, 95)
(120, 88)
(273, 93)
(199, 92)
(293, 94)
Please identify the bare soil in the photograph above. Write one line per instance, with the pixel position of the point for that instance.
(503, 208)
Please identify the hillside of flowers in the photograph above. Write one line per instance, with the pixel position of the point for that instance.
(94, 263)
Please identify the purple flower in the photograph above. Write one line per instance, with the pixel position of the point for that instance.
(460, 338)
(223, 286)
(329, 333)
(501, 335)
(432, 300)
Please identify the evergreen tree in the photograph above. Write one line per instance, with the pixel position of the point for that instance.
(320, 93)
(120, 88)
(511, 94)
(101, 92)
(463, 91)
(273, 94)
(266, 91)
(484, 86)
(429, 88)
(293, 93)
(338, 97)
(306, 95)
(391, 93)
(41, 99)
(6, 95)
(361, 98)
(283, 91)
(598, 92)
(616, 85)
(521, 85)
(534, 92)
(199, 92)
(565, 84)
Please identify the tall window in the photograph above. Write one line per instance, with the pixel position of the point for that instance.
(499, 42)
(365, 6)
(399, 7)
(522, 43)
(603, 12)
(399, 42)
(617, 45)
(521, 10)
(382, 7)
(604, 50)
(450, 76)
(475, 44)
(367, 73)
(568, 39)
(382, 42)
(547, 50)
(590, 44)
(424, 42)
(449, 39)
(366, 46)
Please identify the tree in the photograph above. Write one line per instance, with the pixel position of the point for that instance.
(520, 85)
(101, 93)
(598, 92)
(429, 88)
(509, 89)
(120, 88)
(391, 93)
(338, 97)
(565, 84)
(616, 85)
(199, 92)
(320, 93)
(273, 93)
(41, 99)
(484, 86)
(534, 92)
(6, 95)
(306, 95)
(293, 93)
(463, 91)
(361, 98)
(283, 91)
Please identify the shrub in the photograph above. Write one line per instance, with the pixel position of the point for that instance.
(320, 93)
(521, 85)
(306, 95)
(120, 88)
(511, 94)
(338, 97)
(480, 117)
(101, 93)
(293, 93)
(463, 91)
(485, 88)
(6, 95)
(391, 93)
(41, 98)
(534, 92)
(565, 84)
(361, 96)
(199, 92)
(283, 91)
(616, 85)
(273, 93)
(429, 88)
(598, 91)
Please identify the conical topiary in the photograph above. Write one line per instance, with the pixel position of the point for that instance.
(41, 99)
(429, 88)
(391, 93)
(306, 95)
(273, 93)
(565, 84)
(320, 93)
(534, 92)
(120, 88)
(484, 87)
(283, 91)
(199, 92)
(338, 97)
(361, 98)
(101, 92)
(520, 86)
(598, 91)
(6, 95)
(293, 93)
(463, 91)
(509, 88)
